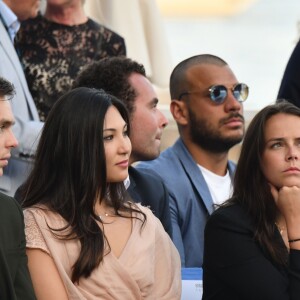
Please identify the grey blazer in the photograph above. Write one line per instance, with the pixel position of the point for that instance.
(190, 200)
(28, 126)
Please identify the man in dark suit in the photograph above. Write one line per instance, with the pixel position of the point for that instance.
(15, 281)
(126, 79)
(290, 84)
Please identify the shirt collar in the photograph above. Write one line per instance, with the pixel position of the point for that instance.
(10, 19)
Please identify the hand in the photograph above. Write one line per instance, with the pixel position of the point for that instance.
(287, 200)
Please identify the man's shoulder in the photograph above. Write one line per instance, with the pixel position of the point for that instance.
(10, 213)
(141, 175)
(166, 160)
(7, 201)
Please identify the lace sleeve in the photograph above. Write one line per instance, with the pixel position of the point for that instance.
(34, 237)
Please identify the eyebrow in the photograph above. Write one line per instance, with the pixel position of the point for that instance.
(278, 139)
(114, 129)
(7, 122)
(153, 101)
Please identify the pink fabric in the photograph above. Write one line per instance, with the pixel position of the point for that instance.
(148, 268)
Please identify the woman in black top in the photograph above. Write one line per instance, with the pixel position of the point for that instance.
(252, 242)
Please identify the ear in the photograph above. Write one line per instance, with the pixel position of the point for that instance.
(179, 111)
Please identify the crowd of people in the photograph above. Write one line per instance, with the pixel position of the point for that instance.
(90, 208)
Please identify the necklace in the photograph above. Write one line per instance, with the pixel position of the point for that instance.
(106, 215)
(280, 228)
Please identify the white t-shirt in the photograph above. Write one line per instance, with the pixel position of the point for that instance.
(220, 187)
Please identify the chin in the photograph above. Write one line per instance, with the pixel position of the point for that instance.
(116, 179)
(290, 184)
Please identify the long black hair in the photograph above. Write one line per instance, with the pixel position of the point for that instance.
(69, 174)
(251, 189)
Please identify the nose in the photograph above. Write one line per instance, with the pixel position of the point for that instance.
(163, 121)
(125, 146)
(11, 142)
(292, 155)
(231, 104)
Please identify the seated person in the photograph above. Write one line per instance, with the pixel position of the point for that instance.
(290, 84)
(15, 281)
(85, 238)
(252, 242)
(207, 105)
(28, 125)
(126, 79)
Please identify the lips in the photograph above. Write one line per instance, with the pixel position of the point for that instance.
(123, 163)
(291, 169)
(5, 158)
(234, 120)
(3, 162)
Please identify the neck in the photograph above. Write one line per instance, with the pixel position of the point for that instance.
(215, 162)
(280, 222)
(71, 14)
(281, 226)
(101, 208)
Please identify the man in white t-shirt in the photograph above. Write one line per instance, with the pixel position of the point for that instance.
(207, 107)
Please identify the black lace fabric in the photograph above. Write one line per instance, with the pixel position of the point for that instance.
(52, 54)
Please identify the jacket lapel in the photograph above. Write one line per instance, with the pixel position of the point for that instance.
(193, 172)
(8, 47)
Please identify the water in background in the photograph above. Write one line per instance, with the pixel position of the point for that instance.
(256, 44)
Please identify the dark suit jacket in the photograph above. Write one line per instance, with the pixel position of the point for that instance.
(15, 281)
(236, 267)
(150, 191)
(290, 84)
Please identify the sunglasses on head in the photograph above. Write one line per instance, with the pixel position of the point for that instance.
(218, 93)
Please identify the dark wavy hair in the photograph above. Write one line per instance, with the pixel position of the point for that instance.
(112, 75)
(251, 189)
(7, 89)
(69, 174)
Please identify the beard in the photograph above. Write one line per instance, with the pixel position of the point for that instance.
(208, 138)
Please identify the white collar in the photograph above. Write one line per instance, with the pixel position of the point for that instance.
(10, 20)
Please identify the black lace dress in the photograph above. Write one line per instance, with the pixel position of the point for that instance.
(52, 54)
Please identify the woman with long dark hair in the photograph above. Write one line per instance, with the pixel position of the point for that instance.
(85, 239)
(252, 242)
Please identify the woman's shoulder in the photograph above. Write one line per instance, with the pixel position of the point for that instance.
(105, 31)
(42, 213)
(144, 209)
(233, 215)
(151, 221)
(33, 22)
(229, 210)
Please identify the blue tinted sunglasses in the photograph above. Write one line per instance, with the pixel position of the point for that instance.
(218, 93)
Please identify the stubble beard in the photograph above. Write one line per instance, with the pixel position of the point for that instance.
(210, 139)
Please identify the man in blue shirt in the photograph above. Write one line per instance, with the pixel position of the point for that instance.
(207, 107)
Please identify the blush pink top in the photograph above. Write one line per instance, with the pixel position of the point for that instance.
(148, 267)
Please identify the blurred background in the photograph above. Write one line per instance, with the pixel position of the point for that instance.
(256, 38)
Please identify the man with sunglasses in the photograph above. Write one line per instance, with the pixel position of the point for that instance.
(207, 107)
